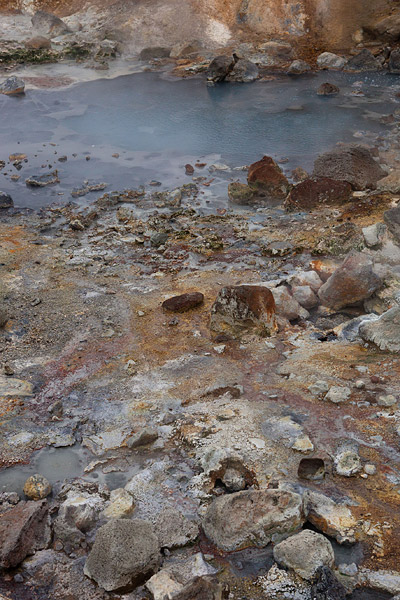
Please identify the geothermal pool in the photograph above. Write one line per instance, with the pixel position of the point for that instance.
(156, 125)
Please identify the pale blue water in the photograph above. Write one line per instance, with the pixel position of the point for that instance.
(158, 125)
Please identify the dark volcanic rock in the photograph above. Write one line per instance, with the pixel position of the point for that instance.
(154, 52)
(219, 68)
(318, 192)
(203, 588)
(328, 89)
(47, 23)
(353, 281)
(243, 308)
(326, 586)
(6, 201)
(12, 86)
(363, 61)
(23, 530)
(351, 163)
(43, 180)
(394, 61)
(266, 178)
(244, 71)
(124, 554)
(183, 302)
(392, 220)
(252, 518)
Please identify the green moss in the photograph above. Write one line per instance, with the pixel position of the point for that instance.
(27, 55)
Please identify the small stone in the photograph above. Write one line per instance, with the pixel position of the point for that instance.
(305, 296)
(153, 52)
(338, 394)
(370, 469)
(298, 67)
(347, 461)
(143, 438)
(6, 201)
(183, 302)
(350, 570)
(359, 384)
(328, 89)
(326, 586)
(38, 43)
(189, 169)
(174, 530)
(37, 487)
(12, 86)
(373, 234)
(388, 400)
(158, 239)
(363, 61)
(121, 504)
(266, 179)
(43, 180)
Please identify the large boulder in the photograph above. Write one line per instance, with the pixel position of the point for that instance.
(244, 71)
(387, 29)
(317, 192)
(353, 281)
(351, 163)
(331, 517)
(48, 24)
(328, 60)
(265, 178)
(219, 68)
(243, 309)
(394, 61)
(384, 332)
(23, 530)
(252, 518)
(305, 552)
(125, 553)
(363, 61)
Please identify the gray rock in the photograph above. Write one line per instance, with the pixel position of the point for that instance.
(338, 394)
(5, 201)
(384, 332)
(124, 553)
(363, 61)
(244, 71)
(304, 295)
(347, 461)
(154, 52)
(142, 438)
(219, 68)
(298, 67)
(12, 86)
(43, 180)
(354, 281)
(351, 163)
(174, 530)
(304, 553)
(252, 518)
(394, 61)
(48, 24)
(243, 309)
(328, 60)
(373, 234)
(392, 220)
(286, 305)
(318, 388)
(310, 278)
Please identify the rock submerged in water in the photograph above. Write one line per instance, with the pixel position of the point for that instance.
(244, 309)
(317, 192)
(352, 163)
(252, 518)
(354, 281)
(43, 180)
(125, 552)
(328, 89)
(265, 178)
(12, 86)
(5, 201)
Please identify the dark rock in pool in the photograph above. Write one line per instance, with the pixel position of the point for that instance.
(298, 67)
(23, 530)
(219, 68)
(318, 192)
(328, 89)
(183, 302)
(154, 52)
(189, 169)
(240, 193)
(394, 62)
(43, 180)
(266, 178)
(363, 61)
(47, 23)
(12, 86)
(351, 163)
(244, 71)
(5, 201)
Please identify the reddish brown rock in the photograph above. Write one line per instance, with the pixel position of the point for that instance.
(316, 192)
(183, 302)
(266, 178)
(23, 530)
(189, 170)
(328, 89)
(244, 309)
(353, 281)
(351, 163)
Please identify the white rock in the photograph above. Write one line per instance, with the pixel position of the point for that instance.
(305, 552)
(328, 60)
(338, 394)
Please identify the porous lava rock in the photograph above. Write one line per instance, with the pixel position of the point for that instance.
(317, 192)
(351, 163)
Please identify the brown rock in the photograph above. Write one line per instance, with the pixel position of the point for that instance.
(184, 302)
(266, 178)
(244, 308)
(23, 530)
(328, 89)
(351, 163)
(37, 487)
(38, 43)
(189, 170)
(353, 281)
(316, 192)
